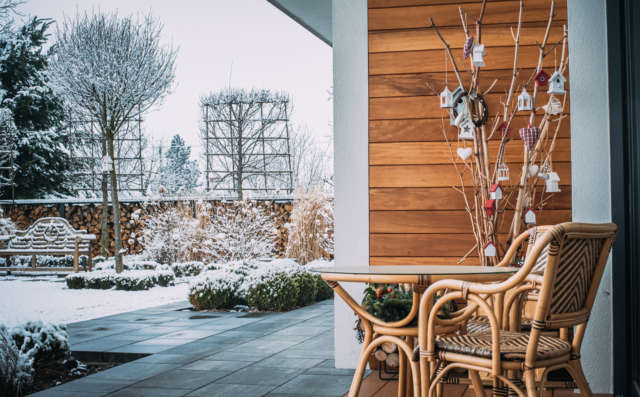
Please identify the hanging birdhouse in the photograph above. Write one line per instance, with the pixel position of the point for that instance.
(446, 98)
(530, 217)
(468, 47)
(556, 83)
(553, 107)
(478, 55)
(529, 135)
(504, 130)
(552, 182)
(490, 207)
(524, 100)
(503, 172)
(496, 191)
(465, 125)
(460, 107)
(541, 78)
(489, 249)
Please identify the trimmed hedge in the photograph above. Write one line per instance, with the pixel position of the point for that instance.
(324, 291)
(187, 269)
(128, 280)
(216, 289)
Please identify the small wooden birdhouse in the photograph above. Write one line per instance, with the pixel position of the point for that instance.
(503, 172)
(446, 98)
(490, 207)
(554, 106)
(524, 100)
(552, 182)
(496, 191)
(489, 249)
(556, 83)
(465, 125)
(478, 55)
(541, 78)
(530, 217)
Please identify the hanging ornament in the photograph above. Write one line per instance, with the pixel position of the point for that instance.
(490, 207)
(524, 101)
(489, 249)
(541, 78)
(556, 84)
(529, 135)
(552, 182)
(464, 152)
(468, 47)
(446, 98)
(530, 217)
(465, 125)
(545, 170)
(505, 130)
(533, 170)
(553, 107)
(457, 108)
(503, 172)
(478, 55)
(496, 191)
(461, 100)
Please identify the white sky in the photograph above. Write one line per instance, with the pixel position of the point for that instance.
(245, 43)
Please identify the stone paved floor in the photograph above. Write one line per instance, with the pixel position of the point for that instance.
(197, 354)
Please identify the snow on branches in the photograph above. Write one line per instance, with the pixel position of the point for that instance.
(311, 227)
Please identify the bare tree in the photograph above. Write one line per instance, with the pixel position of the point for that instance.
(310, 161)
(111, 69)
(246, 138)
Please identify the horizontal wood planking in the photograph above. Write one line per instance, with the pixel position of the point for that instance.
(443, 245)
(440, 153)
(426, 39)
(417, 261)
(439, 175)
(430, 130)
(441, 198)
(448, 15)
(407, 3)
(420, 107)
(498, 58)
(446, 222)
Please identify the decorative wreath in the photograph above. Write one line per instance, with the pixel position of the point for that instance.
(485, 110)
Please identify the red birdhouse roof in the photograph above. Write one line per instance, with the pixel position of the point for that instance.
(495, 187)
(529, 210)
(541, 78)
(490, 204)
(488, 244)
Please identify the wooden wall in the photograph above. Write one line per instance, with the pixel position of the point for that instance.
(415, 215)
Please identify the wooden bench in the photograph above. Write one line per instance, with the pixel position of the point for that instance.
(48, 236)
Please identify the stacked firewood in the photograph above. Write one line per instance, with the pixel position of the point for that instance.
(388, 353)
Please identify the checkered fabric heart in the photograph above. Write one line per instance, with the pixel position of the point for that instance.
(468, 47)
(529, 136)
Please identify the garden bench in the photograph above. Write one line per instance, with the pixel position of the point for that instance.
(48, 236)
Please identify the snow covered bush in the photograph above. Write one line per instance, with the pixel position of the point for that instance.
(47, 261)
(311, 227)
(324, 291)
(129, 280)
(187, 269)
(98, 279)
(44, 342)
(130, 262)
(15, 367)
(216, 289)
(274, 287)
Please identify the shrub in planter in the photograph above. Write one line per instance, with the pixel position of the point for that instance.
(216, 289)
(308, 287)
(187, 269)
(15, 367)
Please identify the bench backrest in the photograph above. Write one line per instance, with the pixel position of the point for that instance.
(48, 234)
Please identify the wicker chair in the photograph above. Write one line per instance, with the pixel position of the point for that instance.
(573, 256)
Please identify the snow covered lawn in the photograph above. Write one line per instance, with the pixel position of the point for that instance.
(48, 299)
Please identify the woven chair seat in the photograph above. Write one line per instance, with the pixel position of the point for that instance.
(481, 323)
(513, 345)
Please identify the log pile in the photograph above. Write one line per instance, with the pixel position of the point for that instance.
(387, 353)
(132, 218)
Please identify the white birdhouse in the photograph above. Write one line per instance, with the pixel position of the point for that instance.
(490, 249)
(530, 217)
(465, 125)
(524, 100)
(446, 98)
(552, 182)
(554, 106)
(496, 191)
(556, 83)
(478, 55)
(461, 106)
(503, 172)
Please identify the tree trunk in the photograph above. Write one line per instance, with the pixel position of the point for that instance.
(116, 208)
(105, 207)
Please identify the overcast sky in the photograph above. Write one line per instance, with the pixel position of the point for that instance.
(242, 43)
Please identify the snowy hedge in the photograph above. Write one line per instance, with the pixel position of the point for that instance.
(216, 289)
(187, 269)
(130, 262)
(46, 261)
(129, 280)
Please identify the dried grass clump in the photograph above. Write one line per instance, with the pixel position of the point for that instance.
(311, 227)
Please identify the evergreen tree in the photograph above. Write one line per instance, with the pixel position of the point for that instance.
(42, 160)
(178, 173)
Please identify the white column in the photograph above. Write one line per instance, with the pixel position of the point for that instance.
(351, 131)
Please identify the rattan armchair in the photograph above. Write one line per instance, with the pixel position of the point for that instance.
(573, 256)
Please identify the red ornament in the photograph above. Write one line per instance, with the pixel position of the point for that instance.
(541, 78)
(505, 129)
(490, 207)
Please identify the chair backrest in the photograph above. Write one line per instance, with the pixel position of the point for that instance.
(576, 254)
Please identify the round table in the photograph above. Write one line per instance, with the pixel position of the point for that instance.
(420, 277)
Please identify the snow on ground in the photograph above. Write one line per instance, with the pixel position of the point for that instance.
(47, 298)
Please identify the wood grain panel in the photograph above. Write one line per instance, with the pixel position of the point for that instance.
(439, 152)
(448, 15)
(443, 245)
(434, 61)
(429, 130)
(417, 261)
(406, 3)
(404, 198)
(439, 175)
(492, 36)
(445, 222)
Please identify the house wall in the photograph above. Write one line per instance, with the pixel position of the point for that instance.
(415, 216)
(591, 178)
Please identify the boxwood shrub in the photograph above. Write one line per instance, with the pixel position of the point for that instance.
(324, 291)
(187, 269)
(129, 280)
(216, 289)
(308, 287)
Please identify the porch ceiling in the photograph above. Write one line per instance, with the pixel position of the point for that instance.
(313, 15)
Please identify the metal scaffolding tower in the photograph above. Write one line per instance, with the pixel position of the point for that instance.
(7, 157)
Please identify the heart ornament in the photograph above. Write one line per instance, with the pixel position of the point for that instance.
(529, 136)
(533, 169)
(464, 152)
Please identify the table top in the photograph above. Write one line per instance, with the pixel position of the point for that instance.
(417, 270)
